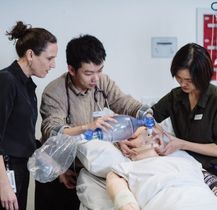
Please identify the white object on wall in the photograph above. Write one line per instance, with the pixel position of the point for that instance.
(163, 47)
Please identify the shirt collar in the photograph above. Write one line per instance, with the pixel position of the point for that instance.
(18, 72)
(73, 88)
(182, 96)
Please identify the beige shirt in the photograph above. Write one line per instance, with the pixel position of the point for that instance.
(54, 106)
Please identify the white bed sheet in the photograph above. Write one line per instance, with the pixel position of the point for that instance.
(168, 183)
(154, 188)
(91, 192)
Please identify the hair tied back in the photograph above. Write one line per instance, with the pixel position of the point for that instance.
(18, 31)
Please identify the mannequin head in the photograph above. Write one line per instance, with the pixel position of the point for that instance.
(146, 144)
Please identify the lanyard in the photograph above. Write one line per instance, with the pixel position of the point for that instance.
(6, 161)
(68, 117)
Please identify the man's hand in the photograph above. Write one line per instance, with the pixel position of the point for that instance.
(102, 122)
(68, 179)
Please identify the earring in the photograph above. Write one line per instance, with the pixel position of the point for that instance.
(29, 63)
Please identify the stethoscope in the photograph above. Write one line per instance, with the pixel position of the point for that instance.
(97, 91)
(100, 91)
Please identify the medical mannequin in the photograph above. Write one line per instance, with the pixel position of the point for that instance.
(118, 189)
(117, 186)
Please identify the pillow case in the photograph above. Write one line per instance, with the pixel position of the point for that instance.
(98, 156)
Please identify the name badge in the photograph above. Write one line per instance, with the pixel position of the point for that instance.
(11, 178)
(198, 116)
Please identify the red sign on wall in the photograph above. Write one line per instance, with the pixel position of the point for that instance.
(210, 39)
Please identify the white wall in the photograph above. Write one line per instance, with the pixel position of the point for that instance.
(124, 26)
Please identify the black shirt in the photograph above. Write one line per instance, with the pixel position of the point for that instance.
(198, 125)
(18, 112)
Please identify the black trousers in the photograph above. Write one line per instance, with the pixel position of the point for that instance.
(55, 196)
(19, 165)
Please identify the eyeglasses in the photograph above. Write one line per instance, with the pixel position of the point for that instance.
(183, 81)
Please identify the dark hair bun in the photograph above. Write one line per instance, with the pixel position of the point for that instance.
(18, 31)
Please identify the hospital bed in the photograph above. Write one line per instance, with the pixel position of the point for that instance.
(98, 161)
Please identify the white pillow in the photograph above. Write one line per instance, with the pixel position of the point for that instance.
(98, 157)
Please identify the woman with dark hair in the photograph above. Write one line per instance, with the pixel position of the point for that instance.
(37, 50)
(192, 107)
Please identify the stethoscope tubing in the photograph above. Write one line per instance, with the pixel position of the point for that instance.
(96, 91)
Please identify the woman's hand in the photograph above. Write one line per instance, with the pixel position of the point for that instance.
(173, 145)
(125, 147)
(157, 140)
(137, 140)
(8, 197)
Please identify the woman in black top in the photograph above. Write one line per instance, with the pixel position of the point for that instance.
(192, 107)
(37, 49)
